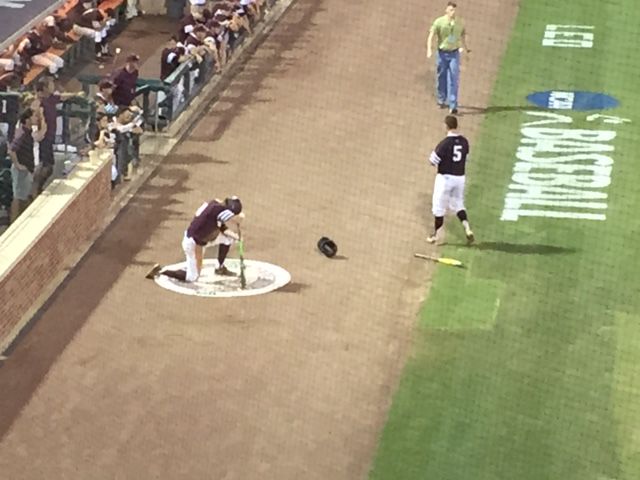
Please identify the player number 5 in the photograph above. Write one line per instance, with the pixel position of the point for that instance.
(457, 153)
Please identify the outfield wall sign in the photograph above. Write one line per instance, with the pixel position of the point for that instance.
(569, 100)
(568, 36)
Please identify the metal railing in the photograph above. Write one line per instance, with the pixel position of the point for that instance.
(163, 101)
(78, 117)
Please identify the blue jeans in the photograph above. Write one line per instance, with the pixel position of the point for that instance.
(448, 77)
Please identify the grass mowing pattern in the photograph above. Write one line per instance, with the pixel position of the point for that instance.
(546, 385)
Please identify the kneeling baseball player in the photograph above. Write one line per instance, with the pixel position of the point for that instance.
(213, 224)
(450, 158)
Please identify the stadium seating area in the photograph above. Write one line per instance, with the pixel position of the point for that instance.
(81, 32)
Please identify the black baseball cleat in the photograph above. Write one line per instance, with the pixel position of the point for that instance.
(453, 111)
(153, 273)
(224, 271)
(442, 105)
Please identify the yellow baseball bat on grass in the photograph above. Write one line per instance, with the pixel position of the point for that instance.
(445, 261)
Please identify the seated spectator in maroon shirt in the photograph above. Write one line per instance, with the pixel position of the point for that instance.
(172, 56)
(90, 22)
(124, 82)
(33, 50)
(57, 29)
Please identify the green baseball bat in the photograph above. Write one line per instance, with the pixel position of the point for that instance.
(243, 279)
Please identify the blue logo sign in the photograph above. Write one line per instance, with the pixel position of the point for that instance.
(567, 100)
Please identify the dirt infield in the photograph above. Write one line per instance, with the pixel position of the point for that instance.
(324, 132)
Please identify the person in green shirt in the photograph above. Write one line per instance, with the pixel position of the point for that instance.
(451, 37)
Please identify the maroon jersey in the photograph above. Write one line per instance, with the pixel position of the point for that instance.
(89, 17)
(170, 61)
(192, 42)
(209, 219)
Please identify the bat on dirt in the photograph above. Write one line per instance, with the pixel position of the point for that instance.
(445, 261)
(243, 279)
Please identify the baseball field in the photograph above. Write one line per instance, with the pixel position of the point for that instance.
(375, 364)
(527, 365)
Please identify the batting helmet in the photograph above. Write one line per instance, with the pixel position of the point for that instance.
(328, 247)
(234, 204)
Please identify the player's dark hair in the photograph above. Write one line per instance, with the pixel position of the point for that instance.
(451, 122)
(234, 204)
(452, 4)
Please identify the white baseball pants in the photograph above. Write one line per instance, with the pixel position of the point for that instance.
(448, 194)
(189, 248)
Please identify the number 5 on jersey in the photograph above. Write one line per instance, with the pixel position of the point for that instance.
(457, 153)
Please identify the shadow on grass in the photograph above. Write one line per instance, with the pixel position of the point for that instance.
(521, 248)
(471, 110)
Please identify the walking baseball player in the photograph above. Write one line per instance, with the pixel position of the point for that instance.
(212, 225)
(450, 158)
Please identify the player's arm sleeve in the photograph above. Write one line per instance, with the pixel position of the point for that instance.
(224, 216)
(436, 156)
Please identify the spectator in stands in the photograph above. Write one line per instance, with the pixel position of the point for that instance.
(33, 49)
(9, 59)
(47, 100)
(125, 129)
(124, 93)
(194, 43)
(106, 140)
(133, 9)
(57, 29)
(173, 55)
(251, 8)
(228, 14)
(21, 152)
(11, 70)
(190, 22)
(124, 82)
(90, 22)
(220, 36)
(105, 104)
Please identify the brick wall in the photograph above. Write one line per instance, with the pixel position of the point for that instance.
(27, 283)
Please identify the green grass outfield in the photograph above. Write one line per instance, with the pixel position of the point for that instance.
(527, 365)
